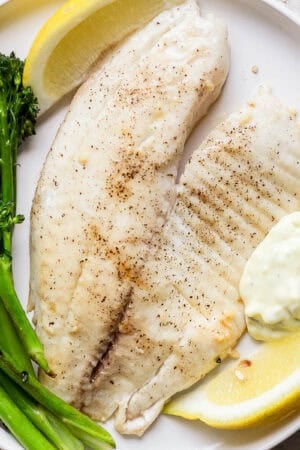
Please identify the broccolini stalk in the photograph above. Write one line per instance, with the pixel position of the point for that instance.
(29, 436)
(55, 431)
(11, 344)
(38, 419)
(53, 428)
(84, 428)
(18, 111)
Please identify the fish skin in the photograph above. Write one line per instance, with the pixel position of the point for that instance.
(185, 310)
(108, 185)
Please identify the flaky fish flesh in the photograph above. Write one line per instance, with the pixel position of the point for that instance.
(185, 314)
(108, 186)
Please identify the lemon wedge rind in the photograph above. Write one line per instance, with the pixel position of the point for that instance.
(272, 406)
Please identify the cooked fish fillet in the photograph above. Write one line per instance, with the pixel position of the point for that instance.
(185, 312)
(108, 185)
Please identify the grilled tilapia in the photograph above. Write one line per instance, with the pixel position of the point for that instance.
(108, 185)
(185, 313)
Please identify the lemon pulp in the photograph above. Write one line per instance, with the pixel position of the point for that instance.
(257, 390)
(256, 375)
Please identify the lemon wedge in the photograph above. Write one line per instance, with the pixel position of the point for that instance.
(71, 41)
(255, 391)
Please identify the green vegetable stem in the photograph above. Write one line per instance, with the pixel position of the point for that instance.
(52, 427)
(18, 111)
(78, 423)
(36, 417)
(49, 425)
(29, 436)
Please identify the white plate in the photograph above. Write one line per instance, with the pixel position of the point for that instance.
(259, 35)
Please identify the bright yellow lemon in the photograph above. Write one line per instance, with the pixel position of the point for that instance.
(258, 390)
(71, 41)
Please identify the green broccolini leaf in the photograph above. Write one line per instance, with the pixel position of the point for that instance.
(7, 217)
(22, 107)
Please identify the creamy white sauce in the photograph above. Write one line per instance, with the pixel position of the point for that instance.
(270, 284)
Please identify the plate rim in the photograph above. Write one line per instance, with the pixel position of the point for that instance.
(288, 14)
(283, 9)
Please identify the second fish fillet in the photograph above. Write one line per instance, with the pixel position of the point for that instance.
(185, 313)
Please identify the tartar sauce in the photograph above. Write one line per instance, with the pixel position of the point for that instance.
(270, 284)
